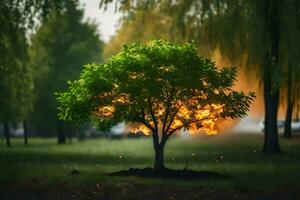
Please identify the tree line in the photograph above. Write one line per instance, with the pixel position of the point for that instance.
(42, 45)
(33, 67)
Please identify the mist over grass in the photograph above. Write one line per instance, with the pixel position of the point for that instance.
(46, 163)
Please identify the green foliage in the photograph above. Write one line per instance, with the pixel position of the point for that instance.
(236, 28)
(157, 85)
(61, 45)
(23, 13)
(16, 76)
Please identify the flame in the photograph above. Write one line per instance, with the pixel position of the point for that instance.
(137, 127)
(209, 126)
(205, 117)
(105, 111)
(208, 115)
(142, 128)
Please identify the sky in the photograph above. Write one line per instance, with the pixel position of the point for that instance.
(107, 20)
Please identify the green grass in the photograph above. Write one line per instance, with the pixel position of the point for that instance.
(51, 164)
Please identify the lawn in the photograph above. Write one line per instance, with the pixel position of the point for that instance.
(45, 164)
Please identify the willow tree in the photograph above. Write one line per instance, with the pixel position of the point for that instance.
(291, 61)
(251, 29)
(163, 86)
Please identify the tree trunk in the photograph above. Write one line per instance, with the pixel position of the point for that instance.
(7, 134)
(271, 68)
(61, 138)
(25, 132)
(271, 144)
(290, 105)
(69, 133)
(159, 157)
(288, 121)
(266, 129)
(159, 150)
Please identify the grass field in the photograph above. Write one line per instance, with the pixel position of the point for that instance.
(47, 164)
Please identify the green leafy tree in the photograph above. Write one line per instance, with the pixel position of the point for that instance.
(61, 45)
(163, 86)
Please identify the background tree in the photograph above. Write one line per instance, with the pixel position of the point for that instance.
(290, 49)
(164, 86)
(16, 18)
(15, 78)
(12, 77)
(251, 30)
(61, 45)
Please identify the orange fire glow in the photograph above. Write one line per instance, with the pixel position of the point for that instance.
(207, 117)
(106, 111)
(204, 117)
(135, 128)
(210, 114)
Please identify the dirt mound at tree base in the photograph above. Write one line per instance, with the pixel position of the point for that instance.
(169, 173)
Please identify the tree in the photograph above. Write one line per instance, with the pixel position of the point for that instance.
(16, 18)
(290, 94)
(255, 30)
(61, 45)
(164, 86)
(14, 74)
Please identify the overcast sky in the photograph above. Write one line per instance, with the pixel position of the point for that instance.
(107, 20)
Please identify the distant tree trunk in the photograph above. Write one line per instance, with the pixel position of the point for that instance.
(266, 124)
(271, 143)
(69, 133)
(61, 138)
(25, 132)
(288, 121)
(7, 134)
(290, 105)
(271, 90)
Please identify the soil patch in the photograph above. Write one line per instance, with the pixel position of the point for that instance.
(184, 174)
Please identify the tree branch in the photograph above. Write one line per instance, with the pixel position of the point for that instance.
(152, 114)
(211, 116)
(166, 88)
(168, 110)
(173, 118)
(176, 112)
